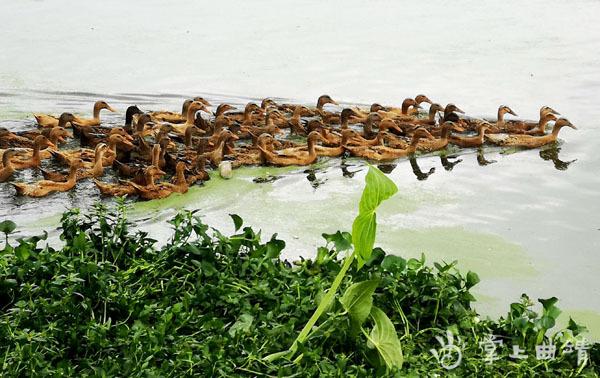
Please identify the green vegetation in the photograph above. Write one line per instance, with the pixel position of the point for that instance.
(111, 303)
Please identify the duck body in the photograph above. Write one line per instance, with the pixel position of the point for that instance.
(44, 187)
(529, 141)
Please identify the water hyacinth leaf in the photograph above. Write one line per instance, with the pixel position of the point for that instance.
(341, 240)
(7, 226)
(358, 300)
(384, 338)
(363, 236)
(393, 263)
(22, 252)
(378, 188)
(242, 325)
(472, 279)
(237, 221)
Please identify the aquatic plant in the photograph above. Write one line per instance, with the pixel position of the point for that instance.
(110, 302)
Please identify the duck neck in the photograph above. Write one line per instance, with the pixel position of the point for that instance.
(544, 121)
(248, 115)
(405, 106)
(445, 133)
(6, 162)
(412, 148)
(311, 148)
(187, 141)
(149, 179)
(555, 131)
(98, 160)
(112, 146)
(368, 128)
(72, 173)
(180, 180)
(481, 134)
(97, 108)
(191, 112)
(500, 117)
(432, 113)
(35, 156)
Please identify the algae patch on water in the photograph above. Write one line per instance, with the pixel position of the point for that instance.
(488, 254)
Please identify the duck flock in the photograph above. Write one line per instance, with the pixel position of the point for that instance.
(155, 154)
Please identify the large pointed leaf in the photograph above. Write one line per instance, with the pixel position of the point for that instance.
(379, 188)
(358, 300)
(363, 236)
(384, 338)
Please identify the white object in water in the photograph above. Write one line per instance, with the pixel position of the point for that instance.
(225, 170)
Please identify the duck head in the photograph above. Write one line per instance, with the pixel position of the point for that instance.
(120, 141)
(58, 135)
(66, 118)
(562, 122)
(99, 105)
(222, 108)
(422, 133)
(375, 107)
(41, 142)
(544, 110)
(451, 108)
(503, 109)
(202, 100)
(130, 112)
(266, 102)
(419, 99)
(345, 116)
(325, 99)
(6, 156)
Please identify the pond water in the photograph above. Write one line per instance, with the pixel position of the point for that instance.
(527, 221)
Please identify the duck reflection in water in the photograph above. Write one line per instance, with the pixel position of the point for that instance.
(421, 176)
(449, 165)
(481, 160)
(387, 168)
(345, 171)
(312, 178)
(551, 153)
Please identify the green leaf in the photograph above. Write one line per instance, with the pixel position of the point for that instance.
(363, 236)
(7, 226)
(472, 279)
(393, 263)
(242, 325)
(358, 300)
(237, 221)
(341, 240)
(274, 247)
(22, 252)
(575, 328)
(384, 338)
(378, 188)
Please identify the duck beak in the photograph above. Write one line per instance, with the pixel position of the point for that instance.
(110, 108)
(458, 128)
(51, 145)
(510, 111)
(334, 102)
(572, 126)
(459, 111)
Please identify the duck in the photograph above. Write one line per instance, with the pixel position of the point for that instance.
(403, 112)
(66, 119)
(435, 144)
(130, 114)
(93, 169)
(382, 153)
(419, 99)
(46, 120)
(301, 158)
(216, 155)
(269, 127)
(7, 169)
(470, 141)
(154, 190)
(172, 117)
(24, 161)
(195, 106)
(326, 117)
(330, 137)
(540, 128)
(498, 126)
(198, 174)
(44, 187)
(123, 188)
(246, 116)
(362, 115)
(530, 141)
(547, 114)
(295, 123)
